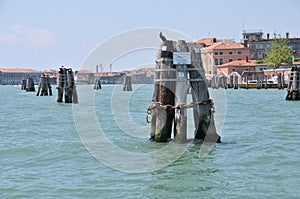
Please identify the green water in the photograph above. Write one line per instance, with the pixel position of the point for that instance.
(42, 155)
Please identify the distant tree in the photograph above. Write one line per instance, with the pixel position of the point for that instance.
(279, 52)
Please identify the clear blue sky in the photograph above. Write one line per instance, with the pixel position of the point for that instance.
(47, 34)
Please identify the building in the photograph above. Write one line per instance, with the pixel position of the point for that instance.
(222, 52)
(239, 66)
(14, 76)
(258, 44)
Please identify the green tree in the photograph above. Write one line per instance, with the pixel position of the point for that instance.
(279, 52)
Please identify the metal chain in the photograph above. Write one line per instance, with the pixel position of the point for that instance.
(180, 106)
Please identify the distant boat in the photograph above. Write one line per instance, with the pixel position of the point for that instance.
(271, 83)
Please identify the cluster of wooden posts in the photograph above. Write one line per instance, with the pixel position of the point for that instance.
(28, 84)
(66, 86)
(44, 88)
(179, 66)
(127, 83)
(97, 84)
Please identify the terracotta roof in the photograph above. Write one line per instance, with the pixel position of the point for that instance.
(18, 70)
(84, 71)
(241, 63)
(224, 45)
(207, 41)
(229, 45)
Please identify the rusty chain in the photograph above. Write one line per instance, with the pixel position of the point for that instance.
(180, 106)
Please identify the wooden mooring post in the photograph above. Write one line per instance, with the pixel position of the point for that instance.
(66, 86)
(97, 85)
(44, 88)
(293, 92)
(23, 84)
(127, 83)
(30, 85)
(179, 64)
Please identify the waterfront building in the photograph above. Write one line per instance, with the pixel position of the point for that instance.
(222, 52)
(14, 76)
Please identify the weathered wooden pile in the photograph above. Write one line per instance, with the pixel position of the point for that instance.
(293, 92)
(44, 88)
(127, 83)
(66, 86)
(178, 65)
(97, 84)
(28, 84)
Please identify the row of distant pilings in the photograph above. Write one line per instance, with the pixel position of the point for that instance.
(65, 86)
(127, 83)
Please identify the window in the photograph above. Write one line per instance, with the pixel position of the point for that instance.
(221, 61)
(230, 53)
(221, 53)
(239, 52)
(240, 59)
(216, 52)
(216, 62)
(230, 60)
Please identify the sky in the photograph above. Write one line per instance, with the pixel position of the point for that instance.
(47, 34)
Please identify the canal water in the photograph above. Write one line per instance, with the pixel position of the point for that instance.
(42, 155)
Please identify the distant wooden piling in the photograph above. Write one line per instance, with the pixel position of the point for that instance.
(97, 85)
(30, 85)
(44, 87)
(127, 83)
(223, 82)
(258, 84)
(293, 92)
(179, 63)
(265, 81)
(23, 84)
(235, 82)
(66, 86)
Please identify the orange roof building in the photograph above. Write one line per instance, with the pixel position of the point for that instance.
(222, 52)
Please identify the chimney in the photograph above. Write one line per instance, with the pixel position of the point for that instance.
(286, 35)
(245, 43)
(247, 59)
(97, 68)
(268, 36)
(214, 40)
